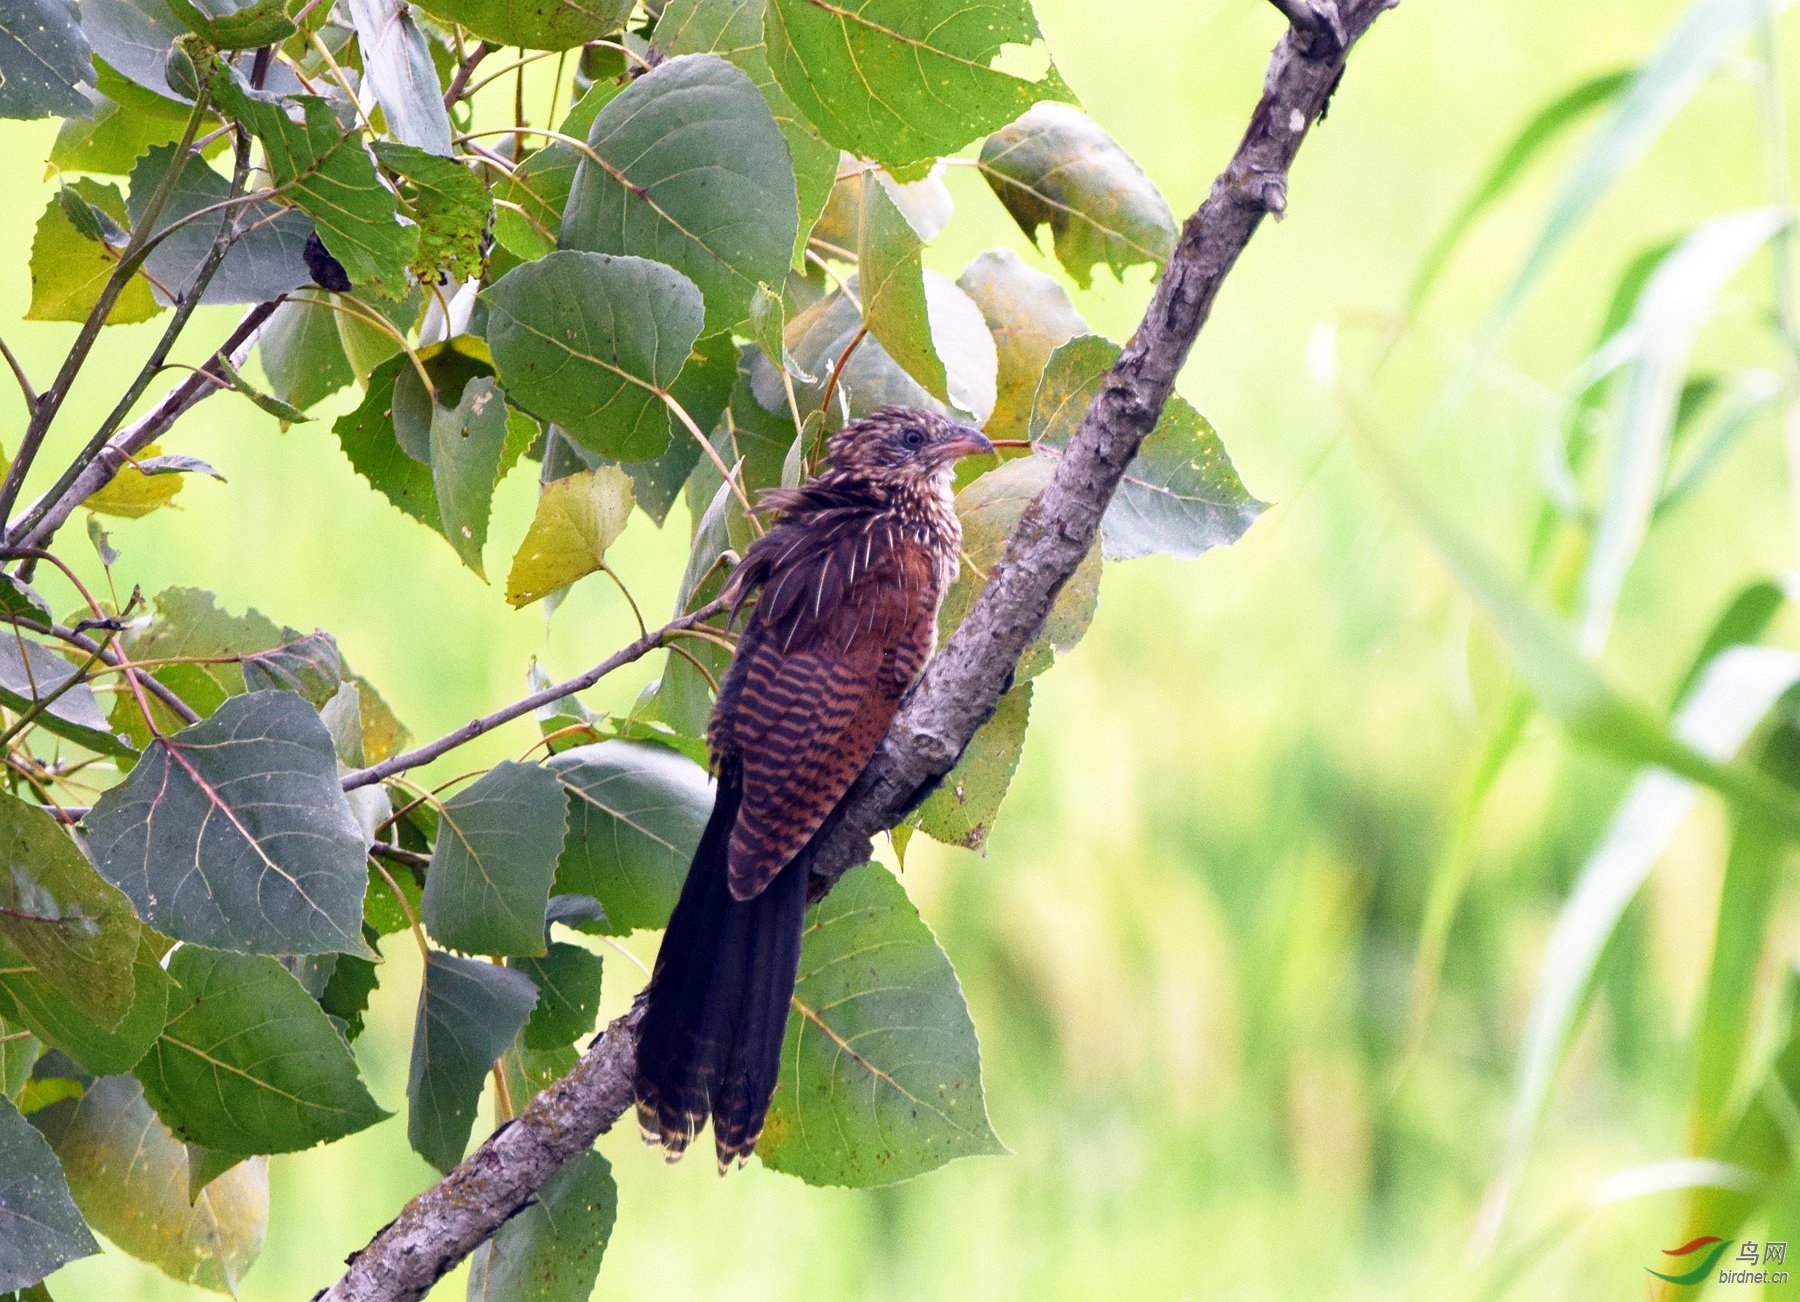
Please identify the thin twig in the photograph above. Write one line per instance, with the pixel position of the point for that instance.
(636, 650)
(460, 79)
(31, 398)
(130, 259)
(88, 474)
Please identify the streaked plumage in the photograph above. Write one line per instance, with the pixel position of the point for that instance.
(846, 587)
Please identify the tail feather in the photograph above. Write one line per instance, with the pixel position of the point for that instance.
(716, 1008)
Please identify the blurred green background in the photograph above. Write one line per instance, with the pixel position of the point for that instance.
(1190, 945)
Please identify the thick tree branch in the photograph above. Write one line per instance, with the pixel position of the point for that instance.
(960, 687)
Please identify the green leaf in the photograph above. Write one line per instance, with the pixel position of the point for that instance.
(467, 450)
(469, 1012)
(126, 121)
(578, 518)
(32, 675)
(990, 507)
(248, 1062)
(1706, 35)
(497, 846)
(590, 341)
(568, 984)
(692, 171)
(264, 262)
(322, 168)
(189, 626)
(1181, 496)
(235, 833)
(733, 30)
(129, 1176)
(880, 1072)
(902, 83)
(926, 202)
(40, 1228)
(470, 445)
(448, 201)
(346, 995)
(1056, 167)
(44, 1006)
(551, 1250)
(1746, 908)
(891, 273)
(236, 24)
(529, 1072)
(17, 598)
(636, 811)
(397, 67)
(302, 354)
(1745, 618)
(534, 24)
(77, 931)
(45, 63)
(962, 810)
(71, 263)
(683, 698)
(1545, 127)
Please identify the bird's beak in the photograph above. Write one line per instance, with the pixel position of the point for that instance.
(965, 443)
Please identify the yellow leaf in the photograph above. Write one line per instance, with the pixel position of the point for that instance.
(577, 520)
(133, 493)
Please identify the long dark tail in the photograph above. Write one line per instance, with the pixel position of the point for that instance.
(717, 1004)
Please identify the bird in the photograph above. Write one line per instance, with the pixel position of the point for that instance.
(846, 584)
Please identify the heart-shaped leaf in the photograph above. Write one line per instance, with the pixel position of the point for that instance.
(130, 1177)
(497, 844)
(591, 342)
(249, 1062)
(880, 1071)
(689, 168)
(235, 833)
(469, 1012)
(1030, 316)
(578, 518)
(636, 812)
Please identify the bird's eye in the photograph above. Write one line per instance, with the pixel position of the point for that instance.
(912, 438)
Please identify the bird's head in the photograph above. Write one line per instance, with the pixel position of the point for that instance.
(903, 443)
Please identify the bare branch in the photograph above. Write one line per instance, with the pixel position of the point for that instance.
(459, 80)
(958, 691)
(40, 523)
(130, 259)
(637, 650)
